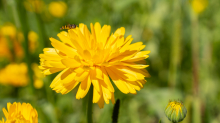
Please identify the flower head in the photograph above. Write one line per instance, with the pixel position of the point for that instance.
(93, 58)
(8, 30)
(33, 41)
(57, 9)
(175, 111)
(199, 5)
(20, 113)
(14, 74)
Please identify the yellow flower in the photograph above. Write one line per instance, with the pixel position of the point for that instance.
(199, 5)
(8, 30)
(33, 40)
(4, 48)
(38, 76)
(175, 111)
(91, 58)
(57, 9)
(14, 74)
(20, 113)
(34, 5)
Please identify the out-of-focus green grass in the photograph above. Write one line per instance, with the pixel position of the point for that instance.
(165, 27)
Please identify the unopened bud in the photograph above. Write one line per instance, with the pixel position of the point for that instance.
(175, 111)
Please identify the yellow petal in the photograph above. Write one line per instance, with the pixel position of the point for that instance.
(106, 80)
(63, 36)
(87, 36)
(96, 95)
(104, 34)
(94, 80)
(63, 48)
(74, 39)
(56, 64)
(83, 88)
(101, 102)
(59, 77)
(120, 31)
(139, 56)
(82, 77)
(131, 89)
(133, 65)
(118, 82)
(106, 94)
(69, 86)
(50, 57)
(52, 70)
(87, 55)
(72, 63)
(98, 73)
(97, 28)
(113, 98)
(5, 112)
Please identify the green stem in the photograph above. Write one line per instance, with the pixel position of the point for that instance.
(20, 19)
(159, 121)
(24, 27)
(196, 68)
(89, 107)
(42, 33)
(175, 45)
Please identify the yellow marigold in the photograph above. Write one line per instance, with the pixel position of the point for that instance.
(20, 113)
(14, 74)
(8, 30)
(91, 58)
(57, 9)
(33, 40)
(199, 5)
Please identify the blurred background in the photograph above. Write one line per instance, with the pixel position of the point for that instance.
(182, 35)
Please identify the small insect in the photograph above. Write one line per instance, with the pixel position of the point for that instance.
(69, 26)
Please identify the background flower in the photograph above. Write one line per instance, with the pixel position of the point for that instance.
(199, 5)
(14, 74)
(20, 113)
(57, 9)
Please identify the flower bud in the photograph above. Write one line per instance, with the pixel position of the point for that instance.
(175, 111)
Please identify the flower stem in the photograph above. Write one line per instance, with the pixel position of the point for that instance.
(89, 106)
(116, 112)
(20, 19)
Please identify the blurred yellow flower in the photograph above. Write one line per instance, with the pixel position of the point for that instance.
(8, 30)
(12, 42)
(57, 9)
(20, 113)
(199, 5)
(38, 76)
(14, 74)
(38, 83)
(34, 5)
(33, 40)
(4, 48)
(93, 58)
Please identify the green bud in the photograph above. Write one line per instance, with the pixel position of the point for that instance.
(175, 111)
